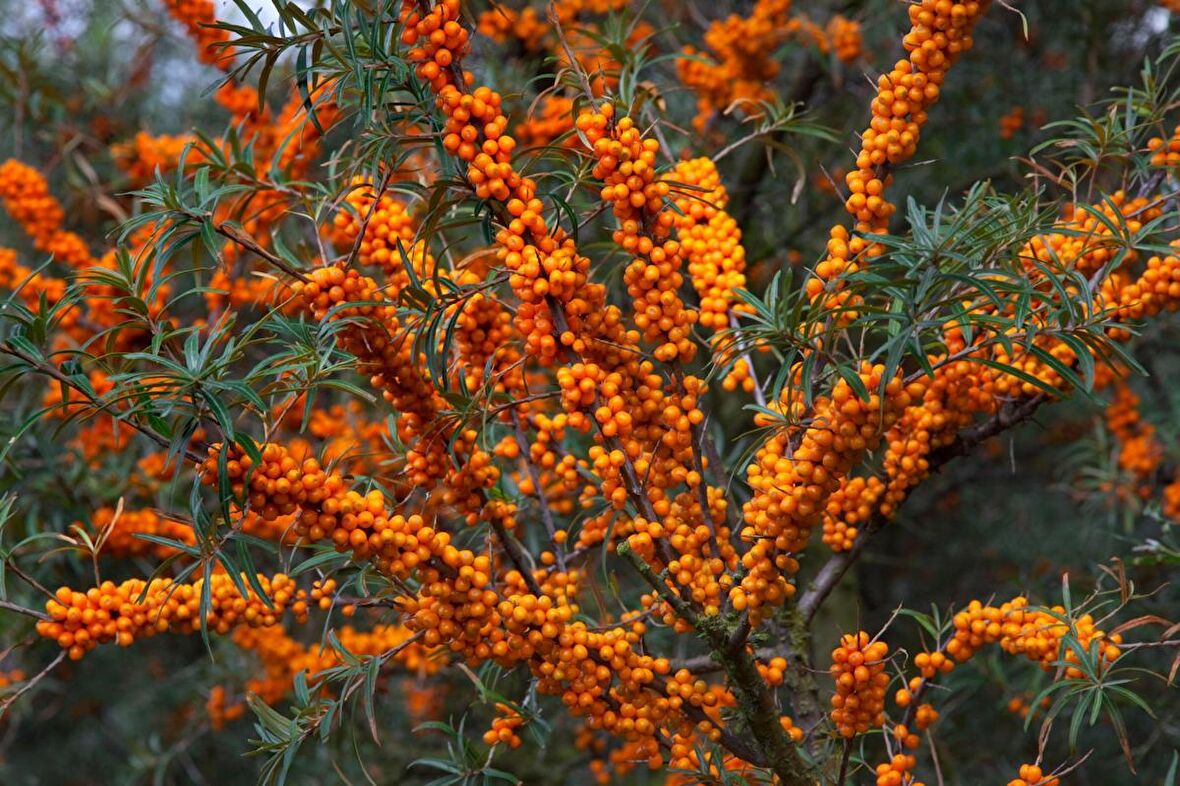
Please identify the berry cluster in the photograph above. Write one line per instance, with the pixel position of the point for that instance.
(27, 200)
(134, 609)
(711, 241)
(1011, 122)
(797, 470)
(1021, 630)
(740, 48)
(197, 16)
(858, 667)
(120, 532)
(940, 32)
(626, 165)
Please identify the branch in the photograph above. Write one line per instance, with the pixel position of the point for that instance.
(7, 606)
(708, 664)
(534, 478)
(754, 699)
(1009, 415)
(231, 232)
(56, 373)
(29, 685)
(516, 555)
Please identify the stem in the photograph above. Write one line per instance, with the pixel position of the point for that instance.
(754, 699)
(546, 514)
(53, 371)
(844, 759)
(516, 555)
(29, 685)
(7, 606)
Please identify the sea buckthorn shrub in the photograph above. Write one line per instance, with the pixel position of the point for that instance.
(588, 392)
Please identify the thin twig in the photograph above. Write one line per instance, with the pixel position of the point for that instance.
(29, 685)
(9, 606)
(53, 371)
(534, 478)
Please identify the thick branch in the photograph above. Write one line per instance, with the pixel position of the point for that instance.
(754, 699)
(517, 556)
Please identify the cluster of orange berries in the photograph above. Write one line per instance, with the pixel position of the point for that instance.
(799, 467)
(711, 240)
(282, 486)
(197, 16)
(243, 104)
(134, 609)
(502, 24)
(551, 120)
(1165, 152)
(389, 358)
(626, 165)
(1139, 452)
(961, 389)
(849, 508)
(547, 272)
(958, 391)
(858, 667)
(1034, 634)
(121, 531)
(1171, 499)
(34, 285)
(703, 557)
(924, 717)
(27, 200)
(145, 155)
(940, 31)
(1032, 775)
(385, 228)
(741, 52)
(438, 41)
(544, 267)
(896, 771)
(282, 658)
(1021, 707)
(740, 376)
(1019, 630)
(1085, 241)
(11, 677)
(347, 438)
(1155, 289)
(741, 48)
(846, 38)
(1011, 122)
(483, 332)
(504, 727)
